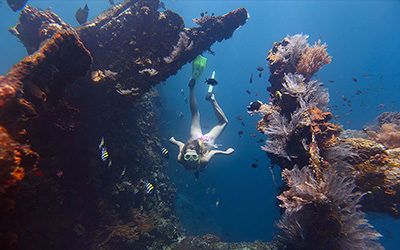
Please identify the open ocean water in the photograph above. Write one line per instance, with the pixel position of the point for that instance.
(232, 199)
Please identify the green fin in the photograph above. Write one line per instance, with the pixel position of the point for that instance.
(198, 66)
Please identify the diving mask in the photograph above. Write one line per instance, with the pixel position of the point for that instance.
(191, 156)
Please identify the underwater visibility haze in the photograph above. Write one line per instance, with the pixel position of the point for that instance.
(147, 124)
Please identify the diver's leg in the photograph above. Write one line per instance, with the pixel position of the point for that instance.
(222, 120)
(195, 128)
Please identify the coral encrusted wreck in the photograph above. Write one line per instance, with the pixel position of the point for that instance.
(327, 175)
(57, 104)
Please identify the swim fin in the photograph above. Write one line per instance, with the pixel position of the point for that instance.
(198, 66)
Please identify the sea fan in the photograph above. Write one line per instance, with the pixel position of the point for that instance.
(277, 132)
(389, 117)
(388, 135)
(316, 95)
(323, 214)
(291, 48)
(294, 84)
(309, 93)
(313, 59)
(341, 157)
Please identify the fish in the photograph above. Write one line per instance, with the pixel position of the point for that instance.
(182, 92)
(180, 115)
(104, 154)
(260, 141)
(165, 152)
(331, 81)
(81, 15)
(259, 75)
(358, 92)
(16, 5)
(278, 94)
(253, 135)
(248, 92)
(251, 78)
(260, 68)
(202, 14)
(149, 187)
(254, 106)
(217, 204)
(354, 79)
(109, 163)
(239, 117)
(240, 133)
(254, 165)
(243, 124)
(112, 2)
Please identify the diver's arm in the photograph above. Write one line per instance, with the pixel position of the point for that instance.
(181, 145)
(177, 143)
(210, 154)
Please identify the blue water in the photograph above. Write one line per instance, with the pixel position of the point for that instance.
(363, 38)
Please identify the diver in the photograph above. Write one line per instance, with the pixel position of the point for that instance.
(200, 148)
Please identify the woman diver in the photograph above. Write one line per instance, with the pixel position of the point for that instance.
(197, 152)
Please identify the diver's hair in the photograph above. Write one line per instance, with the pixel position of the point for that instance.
(195, 144)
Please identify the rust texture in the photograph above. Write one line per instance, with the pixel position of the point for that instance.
(141, 44)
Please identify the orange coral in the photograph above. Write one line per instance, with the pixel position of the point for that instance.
(18, 173)
(313, 59)
(388, 135)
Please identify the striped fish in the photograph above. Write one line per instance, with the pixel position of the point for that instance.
(165, 152)
(149, 187)
(104, 154)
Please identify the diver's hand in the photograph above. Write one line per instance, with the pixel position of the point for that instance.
(192, 82)
(229, 151)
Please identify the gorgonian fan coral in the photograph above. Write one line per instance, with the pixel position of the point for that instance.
(291, 49)
(313, 59)
(323, 213)
(388, 135)
(321, 205)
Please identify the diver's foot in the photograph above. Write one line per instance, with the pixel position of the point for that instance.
(192, 82)
(210, 97)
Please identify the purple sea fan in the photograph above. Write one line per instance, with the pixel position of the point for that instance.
(323, 214)
(294, 84)
(309, 93)
(291, 49)
(278, 133)
(316, 95)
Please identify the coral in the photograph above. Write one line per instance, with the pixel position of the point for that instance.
(277, 132)
(388, 135)
(312, 59)
(321, 205)
(140, 224)
(323, 214)
(289, 50)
